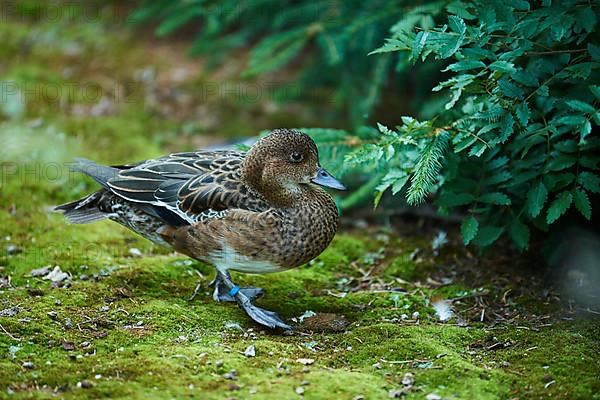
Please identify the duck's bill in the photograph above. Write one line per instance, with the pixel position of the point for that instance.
(325, 179)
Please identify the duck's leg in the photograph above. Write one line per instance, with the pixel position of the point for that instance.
(221, 291)
(260, 315)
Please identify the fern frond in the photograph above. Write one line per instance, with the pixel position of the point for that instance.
(427, 168)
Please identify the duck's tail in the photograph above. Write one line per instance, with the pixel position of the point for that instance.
(83, 211)
(86, 210)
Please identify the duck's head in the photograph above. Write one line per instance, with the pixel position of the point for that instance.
(284, 163)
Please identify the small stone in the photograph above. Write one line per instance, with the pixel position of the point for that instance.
(57, 302)
(104, 309)
(68, 345)
(191, 386)
(53, 315)
(505, 364)
(84, 277)
(408, 379)
(98, 376)
(404, 317)
(233, 326)
(219, 363)
(135, 252)
(250, 351)
(39, 271)
(35, 292)
(10, 312)
(12, 249)
(416, 315)
(231, 375)
(300, 390)
(305, 361)
(433, 396)
(84, 384)
(28, 365)
(68, 323)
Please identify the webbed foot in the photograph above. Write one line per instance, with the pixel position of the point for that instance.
(263, 317)
(226, 290)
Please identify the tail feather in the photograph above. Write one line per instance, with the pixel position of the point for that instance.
(84, 210)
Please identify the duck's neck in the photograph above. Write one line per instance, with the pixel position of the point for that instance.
(283, 196)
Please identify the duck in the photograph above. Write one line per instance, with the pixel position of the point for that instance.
(257, 212)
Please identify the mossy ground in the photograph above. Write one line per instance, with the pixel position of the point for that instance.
(124, 327)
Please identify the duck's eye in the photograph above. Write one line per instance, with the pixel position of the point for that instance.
(295, 157)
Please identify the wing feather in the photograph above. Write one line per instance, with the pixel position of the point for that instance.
(191, 184)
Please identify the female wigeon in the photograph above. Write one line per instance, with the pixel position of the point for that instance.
(254, 212)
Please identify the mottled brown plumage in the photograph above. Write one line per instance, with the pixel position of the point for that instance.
(254, 212)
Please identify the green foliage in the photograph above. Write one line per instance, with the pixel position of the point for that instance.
(522, 96)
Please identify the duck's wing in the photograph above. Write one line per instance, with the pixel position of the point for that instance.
(184, 188)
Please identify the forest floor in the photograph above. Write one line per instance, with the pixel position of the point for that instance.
(95, 311)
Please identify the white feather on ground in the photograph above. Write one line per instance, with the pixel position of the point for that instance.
(443, 309)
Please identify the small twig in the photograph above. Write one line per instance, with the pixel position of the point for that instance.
(495, 346)
(403, 361)
(549, 383)
(537, 53)
(196, 290)
(591, 311)
(9, 335)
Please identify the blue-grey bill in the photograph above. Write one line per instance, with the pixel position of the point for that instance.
(325, 179)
